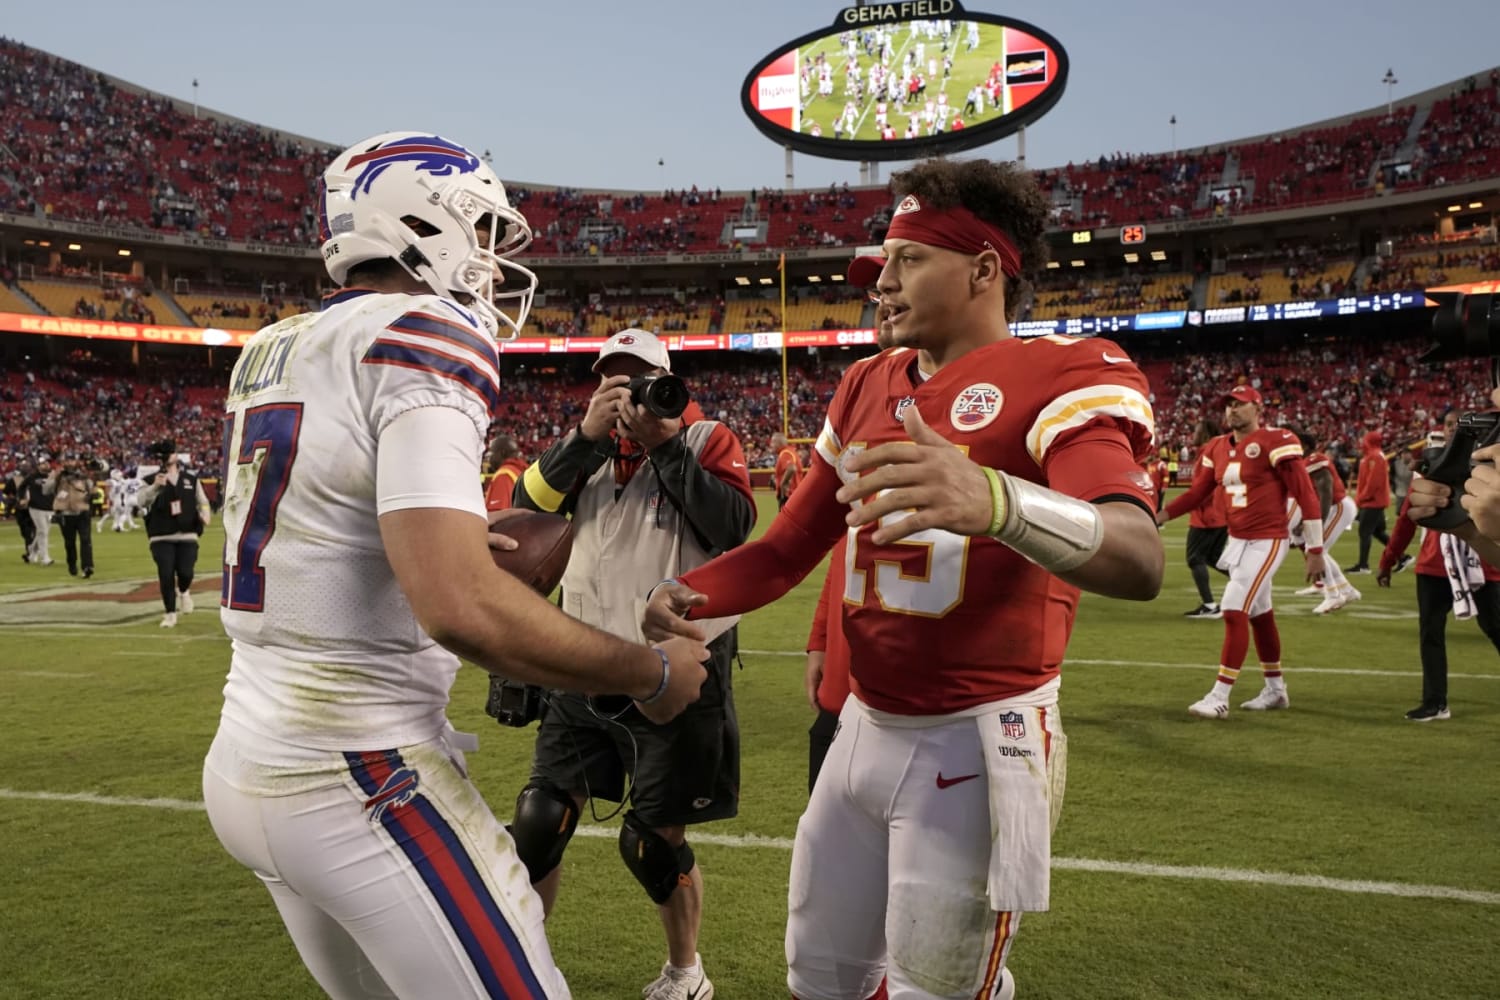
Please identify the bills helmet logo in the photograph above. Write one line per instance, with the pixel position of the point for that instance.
(1012, 726)
(908, 204)
(397, 791)
(430, 153)
(976, 407)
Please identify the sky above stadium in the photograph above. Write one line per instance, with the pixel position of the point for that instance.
(645, 96)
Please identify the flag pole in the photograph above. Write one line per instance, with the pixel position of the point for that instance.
(785, 415)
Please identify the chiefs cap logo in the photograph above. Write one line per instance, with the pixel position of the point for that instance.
(908, 204)
(627, 339)
(976, 407)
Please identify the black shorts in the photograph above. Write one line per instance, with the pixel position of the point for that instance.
(1206, 545)
(687, 771)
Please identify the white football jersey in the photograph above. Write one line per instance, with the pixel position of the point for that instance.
(327, 651)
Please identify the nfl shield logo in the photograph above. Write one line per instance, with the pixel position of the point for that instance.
(1012, 727)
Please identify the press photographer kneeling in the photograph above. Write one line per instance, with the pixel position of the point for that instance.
(177, 511)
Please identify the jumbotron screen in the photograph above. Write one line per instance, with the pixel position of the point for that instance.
(902, 80)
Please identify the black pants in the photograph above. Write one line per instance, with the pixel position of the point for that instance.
(1434, 602)
(77, 536)
(28, 527)
(819, 739)
(174, 569)
(1371, 525)
(1204, 547)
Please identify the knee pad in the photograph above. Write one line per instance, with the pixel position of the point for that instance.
(546, 817)
(658, 866)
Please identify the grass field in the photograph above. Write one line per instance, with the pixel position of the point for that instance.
(1331, 851)
(970, 67)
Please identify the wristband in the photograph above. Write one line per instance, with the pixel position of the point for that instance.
(1315, 551)
(666, 675)
(997, 501)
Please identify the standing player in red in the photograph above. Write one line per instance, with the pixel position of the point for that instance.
(1338, 510)
(788, 471)
(980, 482)
(1208, 532)
(507, 465)
(1258, 468)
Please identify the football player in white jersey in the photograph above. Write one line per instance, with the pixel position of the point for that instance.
(357, 566)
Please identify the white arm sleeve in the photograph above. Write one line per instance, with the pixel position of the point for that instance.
(429, 457)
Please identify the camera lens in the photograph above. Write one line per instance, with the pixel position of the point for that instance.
(664, 395)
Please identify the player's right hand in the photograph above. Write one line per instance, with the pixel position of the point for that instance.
(1383, 578)
(815, 658)
(685, 683)
(666, 613)
(1162, 517)
(604, 407)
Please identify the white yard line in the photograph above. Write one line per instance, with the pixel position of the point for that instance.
(750, 840)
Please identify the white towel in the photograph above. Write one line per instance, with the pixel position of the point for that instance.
(1465, 574)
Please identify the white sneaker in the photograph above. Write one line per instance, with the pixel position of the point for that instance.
(1331, 603)
(680, 984)
(1209, 707)
(184, 602)
(1007, 988)
(169, 620)
(1267, 700)
(1349, 594)
(1310, 591)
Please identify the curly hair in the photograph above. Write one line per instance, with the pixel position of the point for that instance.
(1002, 194)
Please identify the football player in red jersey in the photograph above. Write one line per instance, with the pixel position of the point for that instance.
(1258, 469)
(980, 481)
(1338, 510)
(506, 467)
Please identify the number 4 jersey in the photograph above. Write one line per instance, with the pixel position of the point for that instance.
(1257, 474)
(940, 622)
(327, 650)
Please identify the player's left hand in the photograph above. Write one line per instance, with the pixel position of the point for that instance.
(1482, 492)
(498, 540)
(927, 475)
(1315, 566)
(641, 425)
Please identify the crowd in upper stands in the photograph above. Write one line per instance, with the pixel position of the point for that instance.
(90, 151)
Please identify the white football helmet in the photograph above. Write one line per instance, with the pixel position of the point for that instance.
(417, 199)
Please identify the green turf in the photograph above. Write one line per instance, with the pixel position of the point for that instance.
(969, 68)
(137, 902)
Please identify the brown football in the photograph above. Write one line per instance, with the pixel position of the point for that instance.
(544, 543)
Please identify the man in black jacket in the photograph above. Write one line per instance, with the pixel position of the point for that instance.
(15, 492)
(37, 490)
(177, 511)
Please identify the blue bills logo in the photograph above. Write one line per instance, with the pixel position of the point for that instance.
(397, 791)
(430, 153)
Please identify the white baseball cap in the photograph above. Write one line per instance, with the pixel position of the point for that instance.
(646, 346)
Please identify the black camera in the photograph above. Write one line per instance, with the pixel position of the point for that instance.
(1465, 326)
(512, 703)
(664, 395)
(163, 449)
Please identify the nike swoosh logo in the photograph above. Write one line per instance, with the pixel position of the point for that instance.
(738, 465)
(943, 782)
(1114, 360)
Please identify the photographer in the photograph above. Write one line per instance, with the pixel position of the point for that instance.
(652, 495)
(70, 504)
(1451, 576)
(176, 513)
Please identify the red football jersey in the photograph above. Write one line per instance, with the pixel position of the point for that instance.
(1320, 460)
(975, 618)
(1245, 471)
(1212, 513)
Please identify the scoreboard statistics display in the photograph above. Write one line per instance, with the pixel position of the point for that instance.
(899, 81)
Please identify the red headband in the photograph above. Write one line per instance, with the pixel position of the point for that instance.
(954, 228)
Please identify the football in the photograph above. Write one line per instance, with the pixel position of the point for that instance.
(544, 542)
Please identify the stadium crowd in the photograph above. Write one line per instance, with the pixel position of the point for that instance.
(87, 149)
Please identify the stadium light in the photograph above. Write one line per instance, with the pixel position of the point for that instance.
(1132, 258)
(1076, 263)
(75, 246)
(44, 243)
(768, 281)
(123, 253)
(1158, 255)
(1390, 81)
(741, 280)
(1053, 265)
(835, 277)
(1476, 204)
(814, 278)
(1455, 208)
